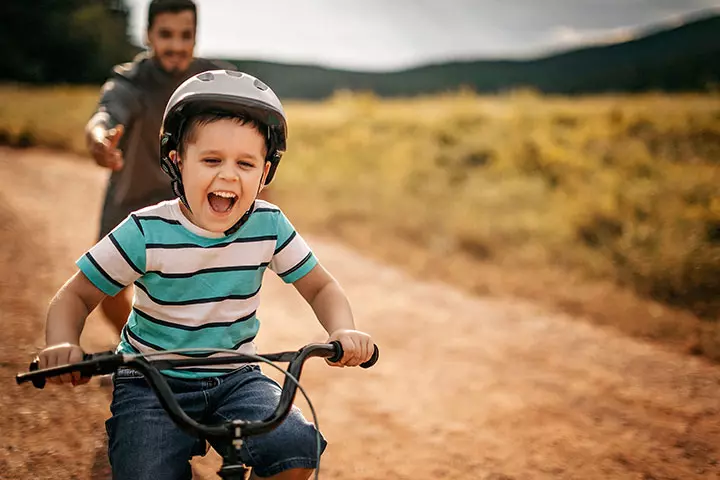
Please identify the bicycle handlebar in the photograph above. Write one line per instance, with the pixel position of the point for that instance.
(107, 362)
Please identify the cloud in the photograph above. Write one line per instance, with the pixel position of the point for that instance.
(566, 36)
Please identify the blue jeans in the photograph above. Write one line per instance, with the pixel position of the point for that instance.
(144, 443)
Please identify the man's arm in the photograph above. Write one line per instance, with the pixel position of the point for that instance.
(117, 107)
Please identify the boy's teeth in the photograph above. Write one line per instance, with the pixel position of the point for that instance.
(225, 194)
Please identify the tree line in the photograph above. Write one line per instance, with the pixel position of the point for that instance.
(63, 41)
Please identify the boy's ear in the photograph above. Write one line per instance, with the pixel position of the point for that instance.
(264, 176)
(175, 159)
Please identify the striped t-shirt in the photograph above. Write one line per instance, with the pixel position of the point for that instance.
(194, 288)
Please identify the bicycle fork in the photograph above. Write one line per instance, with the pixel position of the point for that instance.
(232, 468)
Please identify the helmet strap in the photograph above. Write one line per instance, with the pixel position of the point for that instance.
(176, 184)
(240, 222)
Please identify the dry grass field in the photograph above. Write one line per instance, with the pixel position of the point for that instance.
(605, 206)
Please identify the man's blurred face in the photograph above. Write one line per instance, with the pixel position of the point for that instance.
(172, 40)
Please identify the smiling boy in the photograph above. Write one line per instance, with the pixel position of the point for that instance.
(197, 262)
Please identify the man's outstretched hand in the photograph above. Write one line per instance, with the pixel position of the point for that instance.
(103, 147)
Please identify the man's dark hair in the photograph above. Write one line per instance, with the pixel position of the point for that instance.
(169, 6)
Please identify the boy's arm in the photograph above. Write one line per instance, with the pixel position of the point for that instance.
(295, 263)
(112, 264)
(332, 309)
(69, 309)
(65, 320)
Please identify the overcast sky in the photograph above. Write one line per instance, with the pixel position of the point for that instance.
(393, 34)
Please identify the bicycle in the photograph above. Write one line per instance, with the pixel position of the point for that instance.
(236, 431)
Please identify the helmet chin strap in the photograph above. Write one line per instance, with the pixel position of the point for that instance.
(246, 215)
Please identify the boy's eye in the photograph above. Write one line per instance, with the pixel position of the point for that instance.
(211, 160)
(245, 164)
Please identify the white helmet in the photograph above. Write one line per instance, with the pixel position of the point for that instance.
(222, 91)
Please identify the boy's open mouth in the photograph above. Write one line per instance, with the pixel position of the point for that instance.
(221, 202)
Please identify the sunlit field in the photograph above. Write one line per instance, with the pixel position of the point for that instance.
(551, 191)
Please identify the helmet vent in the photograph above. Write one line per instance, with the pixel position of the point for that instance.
(233, 73)
(260, 85)
(206, 77)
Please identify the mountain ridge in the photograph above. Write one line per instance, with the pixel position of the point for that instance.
(674, 58)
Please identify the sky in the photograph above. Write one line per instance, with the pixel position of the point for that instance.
(383, 35)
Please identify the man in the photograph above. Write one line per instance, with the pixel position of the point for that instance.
(123, 134)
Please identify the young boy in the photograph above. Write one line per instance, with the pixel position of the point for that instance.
(197, 264)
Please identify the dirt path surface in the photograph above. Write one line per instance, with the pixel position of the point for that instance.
(467, 388)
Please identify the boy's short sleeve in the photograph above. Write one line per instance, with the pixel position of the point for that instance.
(292, 258)
(117, 260)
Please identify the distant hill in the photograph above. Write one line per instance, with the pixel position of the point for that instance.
(685, 58)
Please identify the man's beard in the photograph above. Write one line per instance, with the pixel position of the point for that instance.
(173, 70)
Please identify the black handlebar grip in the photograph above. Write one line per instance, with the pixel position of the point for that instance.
(373, 360)
(35, 365)
(339, 353)
(37, 382)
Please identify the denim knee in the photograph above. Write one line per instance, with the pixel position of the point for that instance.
(253, 396)
(294, 444)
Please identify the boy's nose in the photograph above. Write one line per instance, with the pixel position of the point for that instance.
(228, 174)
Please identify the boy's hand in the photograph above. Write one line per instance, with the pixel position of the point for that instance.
(62, 354)
(357, 347)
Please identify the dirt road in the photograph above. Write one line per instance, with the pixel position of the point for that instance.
(467, 388)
